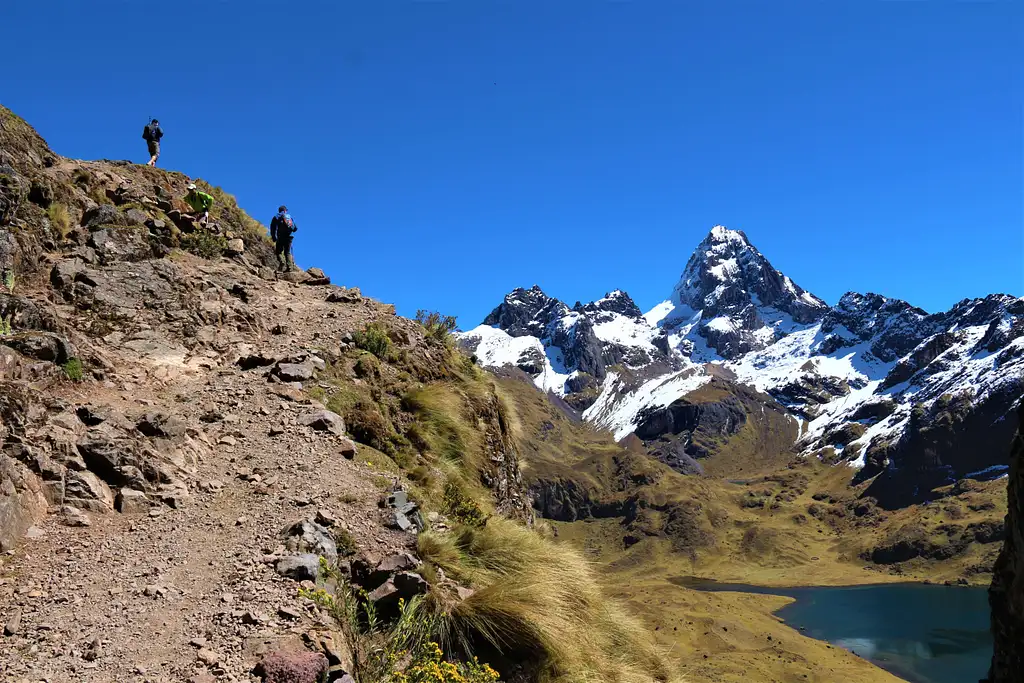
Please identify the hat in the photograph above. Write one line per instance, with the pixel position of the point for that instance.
(282, 208)
(191, 186)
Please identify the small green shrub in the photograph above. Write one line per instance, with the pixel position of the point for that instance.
(374, 338)
(367, 425)
(60, 219)
(5, 324)
(345, 542)
(438, 327)
(367, 366)
(204, 244)
(461, 507)
(73, 370)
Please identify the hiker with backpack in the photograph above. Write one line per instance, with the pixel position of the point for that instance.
(282, 227)
(152, 134)
(200, 203)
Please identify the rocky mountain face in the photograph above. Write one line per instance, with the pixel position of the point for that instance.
(911, 400)
(1006, 596)
(570, 350)
(732, 297)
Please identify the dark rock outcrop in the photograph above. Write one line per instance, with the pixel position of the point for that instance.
(723, 417)
(1006, 595)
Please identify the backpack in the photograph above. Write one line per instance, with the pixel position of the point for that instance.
(282, 226)
(287, 225)
(149, 133)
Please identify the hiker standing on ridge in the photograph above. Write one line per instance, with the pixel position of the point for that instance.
(282, 227)
(200, 203)
(152, 134)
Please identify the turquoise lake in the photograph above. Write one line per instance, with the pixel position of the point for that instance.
(921, 633)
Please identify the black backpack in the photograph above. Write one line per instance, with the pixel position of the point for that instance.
(149, 133)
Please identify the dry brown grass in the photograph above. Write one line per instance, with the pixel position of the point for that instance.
(540, 602)
(60, 219)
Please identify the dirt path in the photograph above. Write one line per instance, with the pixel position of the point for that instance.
(189, 593)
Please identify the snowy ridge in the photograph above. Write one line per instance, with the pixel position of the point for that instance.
(868, 360)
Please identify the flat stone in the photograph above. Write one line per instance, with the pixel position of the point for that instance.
(286, 612)
(13, 624)
(324, 421)
(304, 567)
(74, 517)
(294, 372)
(207, 656)
(130, 501)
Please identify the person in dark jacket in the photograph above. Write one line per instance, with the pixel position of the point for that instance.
(152, 134)
(282, 227)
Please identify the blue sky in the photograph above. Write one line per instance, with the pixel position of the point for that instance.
(438, 154)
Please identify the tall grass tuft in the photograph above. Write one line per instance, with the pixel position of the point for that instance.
(60, 219)
(537, 601)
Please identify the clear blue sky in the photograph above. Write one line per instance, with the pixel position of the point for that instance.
(438, 154)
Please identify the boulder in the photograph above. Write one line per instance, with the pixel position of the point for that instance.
(130, 501)
(234, 247)
(45, 346)
(121, 244)
(292, 667)
(255, 360)
(104, 214)
(294, 276)
(299, 567)
(294, 372)
(23, 314)
(347, 448)
(344, 295)
(87, 491)
(160, 425)
(72, 516)
(136, 217)
(309, 537)
(324, 421)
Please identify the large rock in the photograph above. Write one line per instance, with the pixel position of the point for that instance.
(292, 667)
(131, 501)
(294, 372)
(299, 567)
(324, 421)
(23, 314)
(104, 214)
(344, 295)
(309, 537)
(45, 346)
(161, 425)
(121, 244)
(87, 491)
(1006, 595)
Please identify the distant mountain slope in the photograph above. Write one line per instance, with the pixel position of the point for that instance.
(871, 381)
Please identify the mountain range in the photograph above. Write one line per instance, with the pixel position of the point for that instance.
(907, 399)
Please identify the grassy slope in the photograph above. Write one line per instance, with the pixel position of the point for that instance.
(764, 532)
(537, 610)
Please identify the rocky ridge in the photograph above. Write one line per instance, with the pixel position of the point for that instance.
(169, 473)
(872, 381)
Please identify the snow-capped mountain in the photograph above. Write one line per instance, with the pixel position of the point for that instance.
(872, 381)
(732, 297)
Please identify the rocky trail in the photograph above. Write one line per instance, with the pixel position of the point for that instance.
(181, 584)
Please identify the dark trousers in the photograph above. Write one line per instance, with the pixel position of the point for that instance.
(283, 250)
